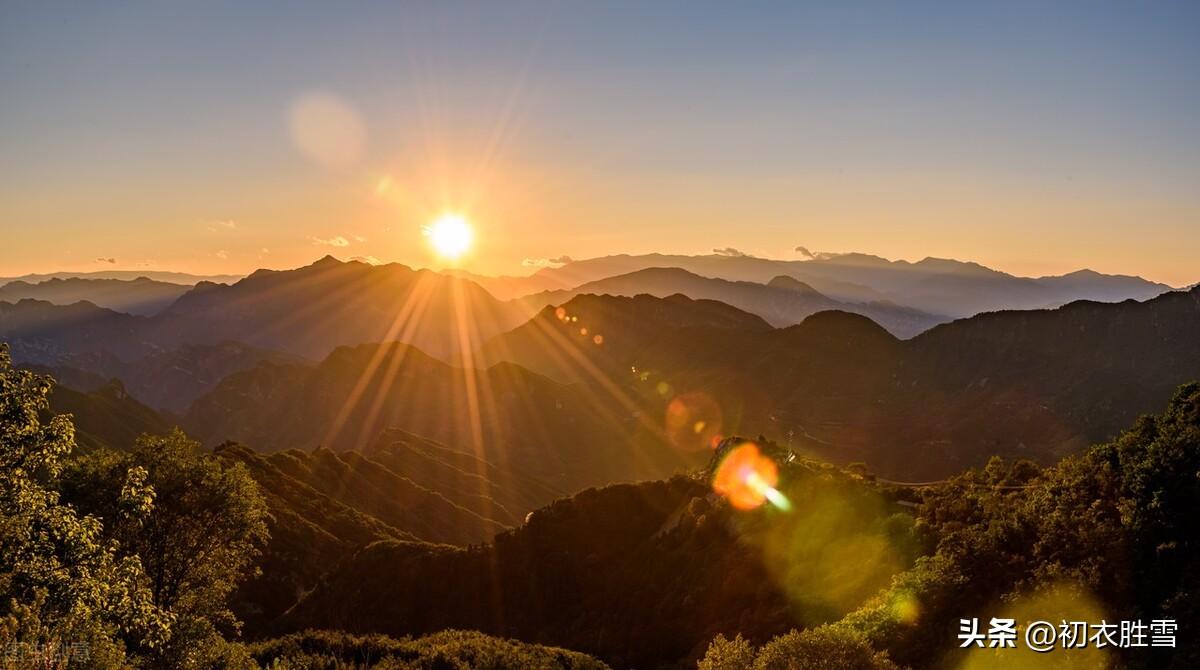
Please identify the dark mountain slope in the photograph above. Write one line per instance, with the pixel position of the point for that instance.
(639, 575)
(43, 333)
(311, 310)
(310, 532)
(1035, 384)
(567, 436)
(306, 312)
(782, 302)
(172, 380)
(503, 494)
(133, 296)
(107, 417)
(561, 342)
(325, 505)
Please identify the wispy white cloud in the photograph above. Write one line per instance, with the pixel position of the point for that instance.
(217, 226)
(337, 241)
(359, 238)
(222, 254)
(369, 260)
(546, 262)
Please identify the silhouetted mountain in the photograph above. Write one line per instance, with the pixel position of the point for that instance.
(306, 312)
(107, 417)
(310, 531)
(1036, 384)
(172, 380)
(125, 275)
(567, 436)
(936, 286)
(136, 296)
(313, 309)
(561, 342)
(43, 333)
(325, 505)
(639, 575)
(782, 302)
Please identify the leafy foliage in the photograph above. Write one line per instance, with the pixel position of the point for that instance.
(447, 650)
(1111, 526)
(200, 526)
(66, 588)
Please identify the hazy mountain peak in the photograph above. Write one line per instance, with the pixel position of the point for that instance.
(792, 284)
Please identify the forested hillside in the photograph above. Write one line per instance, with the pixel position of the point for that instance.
(1036, 384)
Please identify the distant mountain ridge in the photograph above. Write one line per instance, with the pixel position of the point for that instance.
(305, 312)
(141, 296)
(782, 301)
(126, 275)
(938, 286)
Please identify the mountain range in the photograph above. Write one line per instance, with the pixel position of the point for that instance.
(937, 286)
(1037, 384)
(234, 362)
(782, 301)
(133, 296)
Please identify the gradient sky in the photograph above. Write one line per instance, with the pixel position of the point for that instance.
(220, 137)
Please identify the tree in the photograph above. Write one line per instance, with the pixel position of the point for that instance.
(824, 648)
(67, 597)
(206, 527)
(726, 654)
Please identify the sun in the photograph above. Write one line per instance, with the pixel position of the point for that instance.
(450, 236)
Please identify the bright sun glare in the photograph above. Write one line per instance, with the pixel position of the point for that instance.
(450, 235)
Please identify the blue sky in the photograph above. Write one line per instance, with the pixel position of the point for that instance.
(1037, 137)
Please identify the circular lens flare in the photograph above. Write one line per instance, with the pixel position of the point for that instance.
(693, 422)
(450, 236)
(747, 479)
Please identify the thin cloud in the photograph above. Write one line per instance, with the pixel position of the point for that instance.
(217, 226)
(223, 255)
(369, 260)
(546, 262)
(110, 261)
(337, 241)
(730, 251)
(359, 238)
(818, 255)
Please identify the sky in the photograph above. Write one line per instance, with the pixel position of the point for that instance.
(1036, 138)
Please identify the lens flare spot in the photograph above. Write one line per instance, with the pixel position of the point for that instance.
(663, 388)
(560, 313)
(326, 129)
(747, 479)
(692, 421)
(906, 608)
(599, 339)
(583, 331)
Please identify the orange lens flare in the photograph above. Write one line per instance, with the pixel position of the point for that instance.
(747, 478)
(693, 422)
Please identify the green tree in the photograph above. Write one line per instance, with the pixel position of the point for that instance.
(726, 654)
(206, 527)
(824, 648)
(67, 597)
